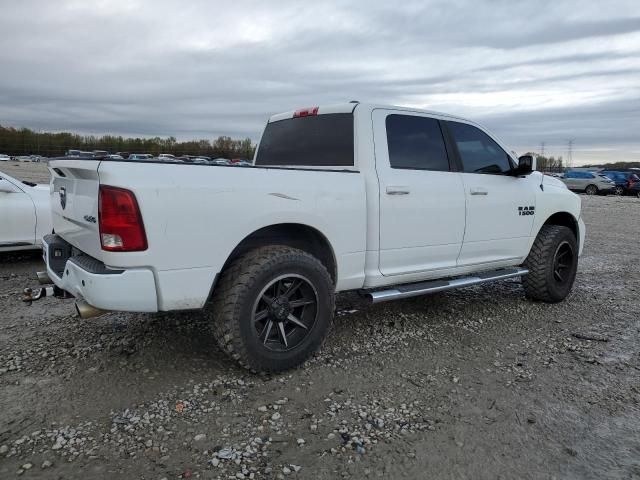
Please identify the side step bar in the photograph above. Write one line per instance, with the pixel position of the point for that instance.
(433, 286)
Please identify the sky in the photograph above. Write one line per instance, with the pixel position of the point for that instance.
(529, 71)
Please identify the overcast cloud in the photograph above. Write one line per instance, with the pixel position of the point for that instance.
(530, 71)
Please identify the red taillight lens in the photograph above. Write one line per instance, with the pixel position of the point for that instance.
(121, 227)
(305, 112)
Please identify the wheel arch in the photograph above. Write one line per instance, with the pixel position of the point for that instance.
(564, 219)
(296, 235)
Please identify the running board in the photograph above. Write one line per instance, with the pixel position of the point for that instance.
(433, 286)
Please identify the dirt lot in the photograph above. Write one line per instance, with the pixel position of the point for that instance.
(31, 172)
(478, 383)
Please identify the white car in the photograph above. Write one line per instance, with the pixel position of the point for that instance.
(387, 201)
(4, 158)
(25, 214)
(140, 156)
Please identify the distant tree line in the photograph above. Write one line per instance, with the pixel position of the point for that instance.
(24, 141)
(548, 164)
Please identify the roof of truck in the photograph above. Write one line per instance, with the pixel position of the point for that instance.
(349, 107)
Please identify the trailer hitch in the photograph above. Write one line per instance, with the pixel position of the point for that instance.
(29, 295)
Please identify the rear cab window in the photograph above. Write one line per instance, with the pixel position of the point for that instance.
(416, 143)
(324, 140)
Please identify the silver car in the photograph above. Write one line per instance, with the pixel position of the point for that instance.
(590, 183)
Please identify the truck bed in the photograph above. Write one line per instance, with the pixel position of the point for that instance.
(194, 216)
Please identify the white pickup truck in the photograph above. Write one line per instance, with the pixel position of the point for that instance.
(392, 202)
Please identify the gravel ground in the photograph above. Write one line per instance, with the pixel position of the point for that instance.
(476, 383)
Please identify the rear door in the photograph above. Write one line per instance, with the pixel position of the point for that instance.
(17, 216)
(500, 207)
(422, 205)
(570, 180)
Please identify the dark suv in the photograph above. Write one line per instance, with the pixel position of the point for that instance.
(635, 190)
(624, 180)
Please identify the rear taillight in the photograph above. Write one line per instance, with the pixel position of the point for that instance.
(305, 112)
(121, 227)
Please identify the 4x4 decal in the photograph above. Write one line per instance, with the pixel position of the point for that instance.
(526, 211)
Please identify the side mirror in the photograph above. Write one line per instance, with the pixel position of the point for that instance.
(6, 187)
(526, 165)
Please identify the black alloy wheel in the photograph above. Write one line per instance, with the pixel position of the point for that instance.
(285, 312)
(563, 261)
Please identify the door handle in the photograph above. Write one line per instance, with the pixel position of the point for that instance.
(479, 191)
(397, 190)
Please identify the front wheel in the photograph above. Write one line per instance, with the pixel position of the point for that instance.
(591, 190)
(552, 264)
(272, 308)
(618, 190)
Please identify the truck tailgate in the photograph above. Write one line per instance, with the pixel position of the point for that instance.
(74, 203)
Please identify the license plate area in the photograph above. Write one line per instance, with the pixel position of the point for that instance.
(56, 253)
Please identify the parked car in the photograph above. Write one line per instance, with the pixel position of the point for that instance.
(221, 161)
(140, 156)
(124, 155)
(388, 201)
(634, 190)
(590, 183)
(166, 156)
(79, 154)
(243, 163)
(624, 180)
(25, 214)
(5, 158)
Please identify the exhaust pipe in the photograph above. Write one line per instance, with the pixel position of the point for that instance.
(43, 278)
(88, 311)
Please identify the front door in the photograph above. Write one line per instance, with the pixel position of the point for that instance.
(422, 205)
(500, 207)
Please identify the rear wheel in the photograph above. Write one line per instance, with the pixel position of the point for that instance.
(272, 308)
(591, 190)
(552, 264)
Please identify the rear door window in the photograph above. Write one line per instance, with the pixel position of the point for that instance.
(479, 153)
(416, 143)
(311, 141)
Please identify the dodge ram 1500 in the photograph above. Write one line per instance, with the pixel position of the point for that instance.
(392, 202)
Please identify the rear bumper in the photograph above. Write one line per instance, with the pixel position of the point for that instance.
(130, 290)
